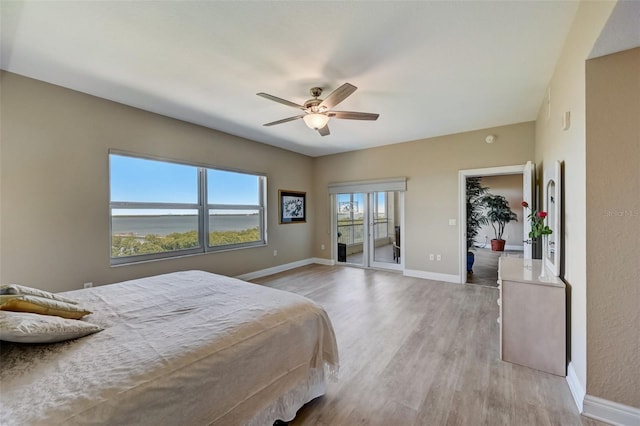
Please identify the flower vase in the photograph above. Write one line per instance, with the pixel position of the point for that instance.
(543, 273)
(543, 270)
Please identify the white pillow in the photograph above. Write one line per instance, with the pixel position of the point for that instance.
(21, 290)
(26, 327)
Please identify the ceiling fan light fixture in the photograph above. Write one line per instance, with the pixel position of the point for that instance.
(317, 112)
(316, 121)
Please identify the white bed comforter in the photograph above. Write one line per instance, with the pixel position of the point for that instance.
(187, 348)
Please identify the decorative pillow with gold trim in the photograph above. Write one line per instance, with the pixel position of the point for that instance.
(24, 327)
(41, 305)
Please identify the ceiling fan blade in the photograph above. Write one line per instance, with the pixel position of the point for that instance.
(338, 95)
(284, 120)
(280, 100)
(349, 115)
(324, 131)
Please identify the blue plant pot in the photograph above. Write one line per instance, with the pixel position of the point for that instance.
(470, 259)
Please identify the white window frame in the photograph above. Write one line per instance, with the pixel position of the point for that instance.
(261, 208)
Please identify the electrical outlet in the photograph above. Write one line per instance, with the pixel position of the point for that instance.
(321, 246)
(431, 256)
(439, 258)
(88, 285)
(275, 252)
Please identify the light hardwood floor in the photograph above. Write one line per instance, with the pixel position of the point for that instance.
(420, 352)
(485, 267)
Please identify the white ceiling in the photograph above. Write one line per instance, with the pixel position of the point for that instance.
(622, 30)
(428, 68)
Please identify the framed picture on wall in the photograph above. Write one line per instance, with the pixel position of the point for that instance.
(292, 207)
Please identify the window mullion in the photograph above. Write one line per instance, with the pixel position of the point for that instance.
(203, 220)
(263, 213)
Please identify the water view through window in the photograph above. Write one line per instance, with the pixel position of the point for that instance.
(155, 208)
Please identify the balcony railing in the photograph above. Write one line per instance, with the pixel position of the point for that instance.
(353, 233)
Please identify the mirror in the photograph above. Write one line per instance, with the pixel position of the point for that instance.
(552, 203)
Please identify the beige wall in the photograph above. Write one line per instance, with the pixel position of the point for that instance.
(567, 88)
(55, 188)
(54, 193)
(431, 166)
(613, 227)
(509, 186)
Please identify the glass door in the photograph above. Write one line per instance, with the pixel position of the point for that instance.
(350, 216)
(368, 229)
(384, 230)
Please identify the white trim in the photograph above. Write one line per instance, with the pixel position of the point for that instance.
(551, 203)
(274, 270)
(576, 388)
(462, 207)
(495, 171)
(379, 185)
(435, 276)
(610, 412)
(323, 261)
(599, 408)
(514, 248)
(285, 267)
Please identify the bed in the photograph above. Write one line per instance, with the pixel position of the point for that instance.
(186, 348)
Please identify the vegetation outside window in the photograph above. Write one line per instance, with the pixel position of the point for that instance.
(235, 208)
(161, 209)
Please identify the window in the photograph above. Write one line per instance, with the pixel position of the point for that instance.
(235, 207)
(350, 218)
(161, 209)
(380, 216)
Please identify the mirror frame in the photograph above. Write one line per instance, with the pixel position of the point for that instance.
(552, 203)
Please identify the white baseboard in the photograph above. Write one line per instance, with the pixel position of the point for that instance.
(274, 270)
(514, 248)
(323, 261)
(449, 278)
(599, 408)
(329, 262)
(576, 388)
(610, 412)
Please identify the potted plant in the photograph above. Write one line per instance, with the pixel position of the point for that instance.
(475, 217)
(498, 215)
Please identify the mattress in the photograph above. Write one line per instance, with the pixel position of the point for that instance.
(186, 348)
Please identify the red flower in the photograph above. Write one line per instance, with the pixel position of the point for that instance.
(538, 228)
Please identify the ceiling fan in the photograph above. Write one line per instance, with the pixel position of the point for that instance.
(317, 112)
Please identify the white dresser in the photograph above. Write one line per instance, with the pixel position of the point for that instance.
(532, 316)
